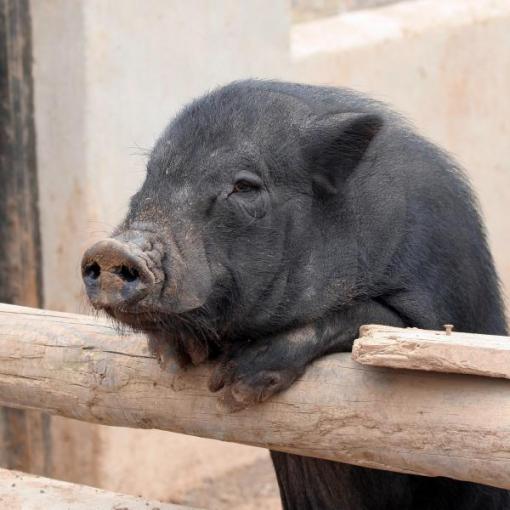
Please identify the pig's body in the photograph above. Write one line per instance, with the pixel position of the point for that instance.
(274, 221)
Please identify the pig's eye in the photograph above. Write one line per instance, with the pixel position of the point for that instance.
(244, 187)
(248, 195)
(246, 182)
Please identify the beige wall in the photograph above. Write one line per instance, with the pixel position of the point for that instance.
(108, 76)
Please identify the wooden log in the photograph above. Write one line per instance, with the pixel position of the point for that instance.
(20, 491)
(437, 351)
(400, 420)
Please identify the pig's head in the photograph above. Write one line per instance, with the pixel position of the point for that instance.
(243, 224)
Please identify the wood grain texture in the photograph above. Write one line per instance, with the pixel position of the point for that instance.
(20, 258)
(437, 351)
(19, 491)
(25, 441)
(400, 420)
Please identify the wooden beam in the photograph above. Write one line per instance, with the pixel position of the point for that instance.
(437, 351)
(399, 420)
(20, 491)
(24, 436)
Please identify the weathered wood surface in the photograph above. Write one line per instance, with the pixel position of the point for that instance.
(437, 351)
(400, 420)
(20, 491)
(24, 435)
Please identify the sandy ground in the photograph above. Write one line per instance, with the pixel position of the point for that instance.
(187, 470)
(252, 487)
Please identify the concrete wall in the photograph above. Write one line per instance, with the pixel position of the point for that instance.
(306, 10)
(108, 78)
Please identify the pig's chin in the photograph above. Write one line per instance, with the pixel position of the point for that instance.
(191, 335)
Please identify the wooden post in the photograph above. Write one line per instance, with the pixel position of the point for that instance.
(24, 435)
(400, 420)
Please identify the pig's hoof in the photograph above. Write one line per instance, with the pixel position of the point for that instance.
(243, 391)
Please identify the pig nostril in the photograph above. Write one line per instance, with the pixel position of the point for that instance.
(115, 274)
(128, 274)
(92, 271)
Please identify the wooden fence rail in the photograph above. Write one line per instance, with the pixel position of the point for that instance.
(401, 420)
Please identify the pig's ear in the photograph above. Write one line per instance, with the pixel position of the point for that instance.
(336, 144)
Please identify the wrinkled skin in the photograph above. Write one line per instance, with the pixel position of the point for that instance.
(275, 220)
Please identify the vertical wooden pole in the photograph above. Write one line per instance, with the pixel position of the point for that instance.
(24, 435)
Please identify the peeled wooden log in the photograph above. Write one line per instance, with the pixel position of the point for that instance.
(438, 351)
(399, 420)
(19, 491)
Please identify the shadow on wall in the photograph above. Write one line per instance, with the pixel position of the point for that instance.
(306, 10)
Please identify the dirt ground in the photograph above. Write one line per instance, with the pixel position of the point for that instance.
(187, 470)
(251, 487)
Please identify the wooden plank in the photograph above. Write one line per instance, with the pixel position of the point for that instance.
(24, 436)
(20, 491)
(400, 420)
(437, 351)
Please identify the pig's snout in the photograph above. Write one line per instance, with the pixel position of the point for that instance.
(116, 274)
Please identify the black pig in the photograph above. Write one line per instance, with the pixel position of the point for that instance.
(275, 220)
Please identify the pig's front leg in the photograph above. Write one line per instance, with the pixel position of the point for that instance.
(251, 372)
